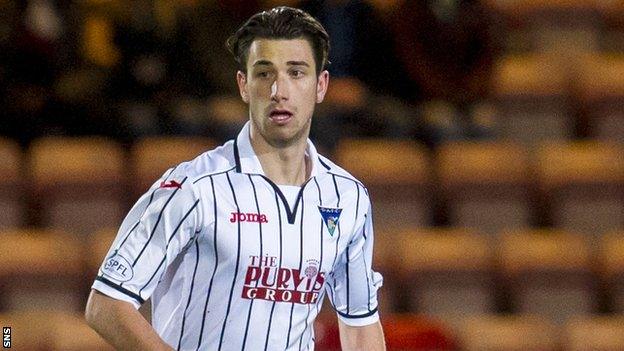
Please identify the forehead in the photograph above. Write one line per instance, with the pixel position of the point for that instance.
(280, 51)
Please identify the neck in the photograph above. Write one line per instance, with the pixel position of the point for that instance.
(284, 165)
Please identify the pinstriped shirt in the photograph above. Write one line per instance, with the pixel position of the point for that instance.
(229, 264)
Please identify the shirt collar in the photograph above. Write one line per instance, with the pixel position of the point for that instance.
(247, 161)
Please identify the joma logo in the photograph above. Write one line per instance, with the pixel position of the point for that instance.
(248, 217)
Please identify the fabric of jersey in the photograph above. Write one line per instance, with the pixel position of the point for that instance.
(230, 265)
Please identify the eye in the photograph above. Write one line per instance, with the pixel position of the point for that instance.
(297, 73)
(262, 74)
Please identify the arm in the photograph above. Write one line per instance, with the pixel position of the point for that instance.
(366, 338)
(154, 233)
(120, 324)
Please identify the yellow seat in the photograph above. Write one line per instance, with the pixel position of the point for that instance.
(42, 270)
(600, 83)
(611, 266)
(582, 182)
(549, 273)
(563, 27)
(12, 191)
(99, 245)
(509, 333)
(530, 92)
(594, 333)
(387, 262)
(152, 156)
(397, 175)
(485, 184)
(449, 270)
(79, 182)
(51, 330)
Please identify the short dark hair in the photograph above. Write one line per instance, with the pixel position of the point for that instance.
(280, 23)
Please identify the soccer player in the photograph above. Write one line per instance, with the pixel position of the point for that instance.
(238, 248)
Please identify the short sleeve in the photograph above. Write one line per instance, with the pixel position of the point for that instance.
(163, 223)
(353, 289)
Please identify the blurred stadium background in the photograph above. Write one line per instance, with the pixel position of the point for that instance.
(490, 135)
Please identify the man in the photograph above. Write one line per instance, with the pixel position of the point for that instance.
(238, 247)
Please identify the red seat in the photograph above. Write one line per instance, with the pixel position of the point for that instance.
(402, 332)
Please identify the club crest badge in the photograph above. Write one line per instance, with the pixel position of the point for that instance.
(330, 217)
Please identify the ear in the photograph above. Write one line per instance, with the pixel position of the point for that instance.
(241, 80)
(321, 86)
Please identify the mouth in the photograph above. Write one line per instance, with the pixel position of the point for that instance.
(280, 116)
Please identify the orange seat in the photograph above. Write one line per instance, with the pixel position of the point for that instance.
(509, 333)
(79, 182)
(486, 185)
(385, 261)
(530, 92)
(600, 82)
(567, 26)
(594, 333)
(152, 156)
(51, 330)
(41, 270)
(99, 244)
(611, 262)
(13, 191)
(446, 272)
(397, 175)
(584, 185)
(548, 273)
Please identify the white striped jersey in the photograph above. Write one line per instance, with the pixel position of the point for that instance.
(229, 264)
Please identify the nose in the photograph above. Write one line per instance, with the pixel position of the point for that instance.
(279, 89)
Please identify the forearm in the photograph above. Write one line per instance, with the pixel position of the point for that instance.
(120, 324)
(366, 338)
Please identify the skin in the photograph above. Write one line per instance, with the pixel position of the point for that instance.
(121, 325)
(280, 75)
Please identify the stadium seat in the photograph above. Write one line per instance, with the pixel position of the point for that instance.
(152, 156)
(611, 266)
(594, 333)
(385, 261)
(509, 333)
(600, 84)
(554, 25)
(530, 92)
(548, 273)
(99, 244)
(41, 270)
(326, 334)
(12, 199)
(397, 175)
(51, 331)
(583, 184)
(447, 272)
(79, 183)
(402, 332)
(486, 185)
(416, 332)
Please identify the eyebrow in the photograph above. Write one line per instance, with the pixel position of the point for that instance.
(289, 63)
